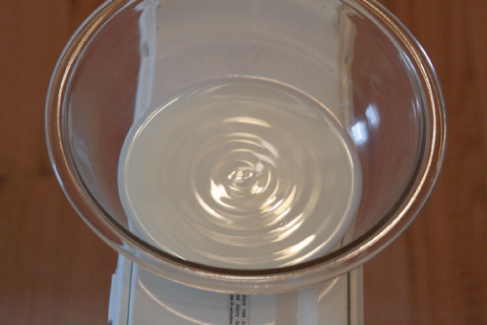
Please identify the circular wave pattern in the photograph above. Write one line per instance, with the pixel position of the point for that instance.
(241, 174)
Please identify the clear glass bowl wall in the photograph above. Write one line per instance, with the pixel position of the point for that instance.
(389, 102)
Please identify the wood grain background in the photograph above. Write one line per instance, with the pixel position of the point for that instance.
(54, 270)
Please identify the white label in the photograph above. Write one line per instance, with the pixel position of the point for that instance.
(238, 310)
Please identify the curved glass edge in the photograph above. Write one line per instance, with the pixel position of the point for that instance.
(54, 115)
(435, 144)
(244, 282)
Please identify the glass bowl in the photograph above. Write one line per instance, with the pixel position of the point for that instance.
(353, 58)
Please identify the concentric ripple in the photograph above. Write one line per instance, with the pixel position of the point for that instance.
(240, 173)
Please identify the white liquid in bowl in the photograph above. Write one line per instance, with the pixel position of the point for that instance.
(241, 174)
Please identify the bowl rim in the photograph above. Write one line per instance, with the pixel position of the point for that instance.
(301, 275)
